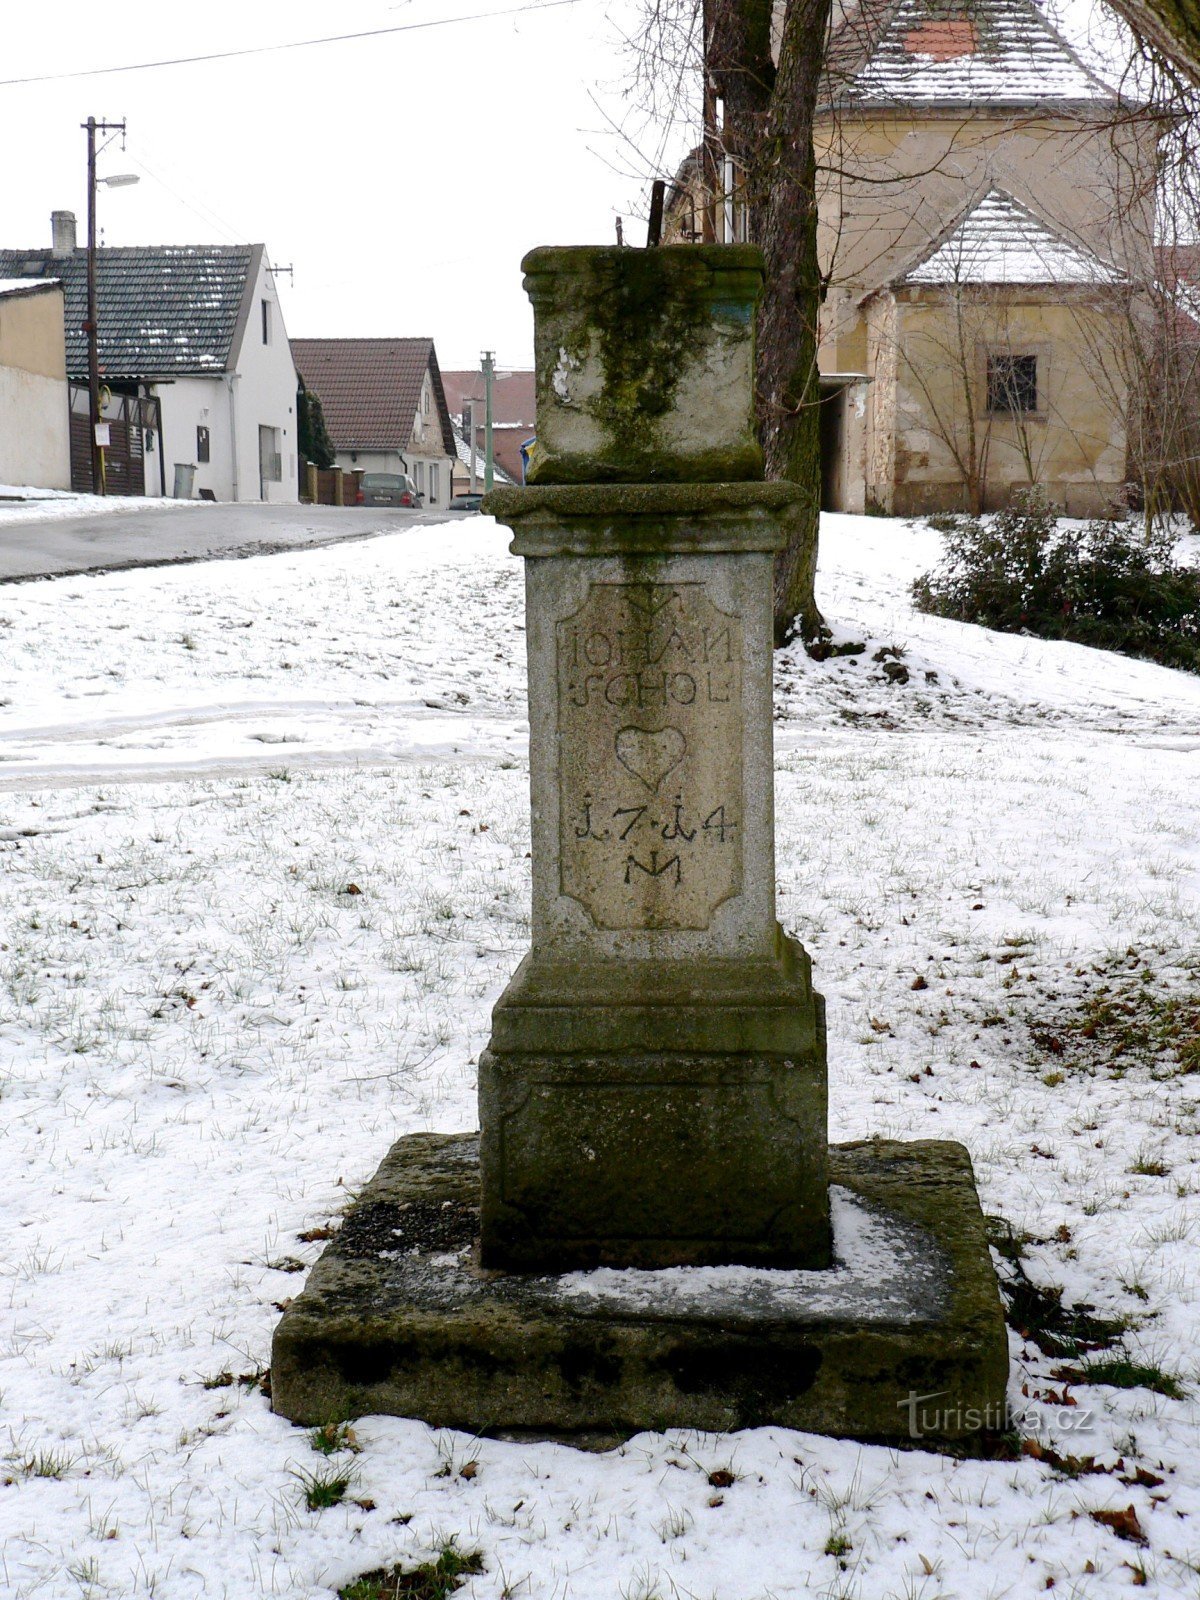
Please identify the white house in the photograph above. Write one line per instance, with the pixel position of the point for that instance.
(199, 329)
(384, 407)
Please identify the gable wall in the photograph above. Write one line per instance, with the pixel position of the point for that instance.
(1074, 446)
(265, 395)
(427, 449)
(892, 185)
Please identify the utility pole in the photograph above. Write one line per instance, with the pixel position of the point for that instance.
(93, 127)
(489, 463)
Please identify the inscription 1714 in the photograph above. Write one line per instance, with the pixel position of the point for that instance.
(650, 766)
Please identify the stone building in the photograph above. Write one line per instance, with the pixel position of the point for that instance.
(985, 221)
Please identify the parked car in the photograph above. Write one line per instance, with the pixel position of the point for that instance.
(387, 489)
(466, 502)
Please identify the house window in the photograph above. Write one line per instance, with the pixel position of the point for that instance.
(1012, 385)
(203, 448)
(434, 476)
(419, 474)
(425, 401)
(266, 321)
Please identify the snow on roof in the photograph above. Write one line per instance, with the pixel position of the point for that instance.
(24, 285)
(499, 475)
(163, 308)
(999, 242)
(957, 52)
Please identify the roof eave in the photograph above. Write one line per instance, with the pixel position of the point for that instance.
(1017, 105)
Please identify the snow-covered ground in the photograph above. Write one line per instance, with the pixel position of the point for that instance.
(263, 830)
(19, 504)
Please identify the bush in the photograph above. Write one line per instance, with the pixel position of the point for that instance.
(1109, 584)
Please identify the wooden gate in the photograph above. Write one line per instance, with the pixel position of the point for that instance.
(133, 424)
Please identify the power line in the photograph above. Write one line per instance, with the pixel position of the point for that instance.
(291, 44)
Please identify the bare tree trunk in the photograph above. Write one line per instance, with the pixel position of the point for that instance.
(767, 128)
(741, 71)
(788, 379)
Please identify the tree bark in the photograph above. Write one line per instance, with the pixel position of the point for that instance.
(738, 52)
(788, 378)
(768, 128)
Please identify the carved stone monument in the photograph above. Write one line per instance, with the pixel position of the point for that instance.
(654, 1091)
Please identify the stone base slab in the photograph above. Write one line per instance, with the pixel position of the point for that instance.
(397, 1317)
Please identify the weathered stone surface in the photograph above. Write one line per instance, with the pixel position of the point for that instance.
(651, 1160)
(659, 1114)
(651, 767)
(645, 363)
(662, 1041)
(643, 518)
(650, 755)
(398, 1317)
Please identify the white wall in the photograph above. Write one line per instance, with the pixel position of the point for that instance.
(370, 461)
(187, 404)
(35, 447)
(260, 390)
(428, 448)
(265, 395)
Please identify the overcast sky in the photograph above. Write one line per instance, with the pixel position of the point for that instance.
(402, 176)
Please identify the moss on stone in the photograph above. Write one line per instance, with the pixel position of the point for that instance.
(509, 505)
(642, 320)
(412, 1332)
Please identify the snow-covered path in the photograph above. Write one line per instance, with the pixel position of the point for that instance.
(263, 835)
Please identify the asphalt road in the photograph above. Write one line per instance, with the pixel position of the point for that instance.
(155, 535)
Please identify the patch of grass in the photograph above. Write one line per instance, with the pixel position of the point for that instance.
(324, 1488)
(258, 1379)
(1119, 1372)
(48, 1464)
(838, 1546)
(1148, 1166)
(334, 1436)
(1036, 1311)
(432, 1580)
(1132, 1021)
(1038, 1314)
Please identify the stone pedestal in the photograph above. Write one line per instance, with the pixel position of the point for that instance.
(654, 1092)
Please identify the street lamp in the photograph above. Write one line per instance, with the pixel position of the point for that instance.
(118, 180)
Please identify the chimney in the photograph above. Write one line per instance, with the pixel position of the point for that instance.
(62, 224)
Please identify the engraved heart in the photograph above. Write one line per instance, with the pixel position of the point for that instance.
(650, 755)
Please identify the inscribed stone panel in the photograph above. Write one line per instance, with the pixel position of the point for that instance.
(650, 755)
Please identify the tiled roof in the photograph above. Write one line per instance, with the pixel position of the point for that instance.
(1001, 242)
(369, 389)
(514, 402)
(161, 309)
(955, 53)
